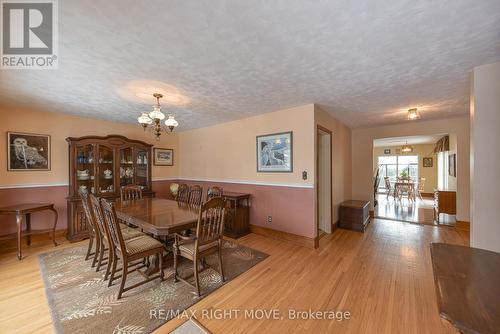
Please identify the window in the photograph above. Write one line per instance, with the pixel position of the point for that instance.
(442, 160)
(393, 165)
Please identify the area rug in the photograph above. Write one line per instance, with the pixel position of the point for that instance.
(81, 302)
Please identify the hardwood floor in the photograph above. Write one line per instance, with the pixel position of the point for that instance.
(382, 277)
(421, 211)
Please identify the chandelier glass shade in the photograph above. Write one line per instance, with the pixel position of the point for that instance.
(155, 117)
(413, 114)
(406, 148)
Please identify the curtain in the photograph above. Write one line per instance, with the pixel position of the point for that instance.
(442, 145)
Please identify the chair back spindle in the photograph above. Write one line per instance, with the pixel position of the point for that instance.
(214, 192)
(112, 223)
(183, 193)
(195, 195)
(130, 193)
(89, 216)
(98, 217)
(210, 225)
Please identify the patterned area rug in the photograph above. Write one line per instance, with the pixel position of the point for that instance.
(81, 302)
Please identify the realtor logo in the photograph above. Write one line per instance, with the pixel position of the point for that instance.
(29, 34)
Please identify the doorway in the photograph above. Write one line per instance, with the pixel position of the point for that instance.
(324, 180)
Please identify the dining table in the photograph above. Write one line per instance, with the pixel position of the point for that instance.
(158, 217)
(404, 185)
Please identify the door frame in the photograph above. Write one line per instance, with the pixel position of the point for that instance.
(323, 129)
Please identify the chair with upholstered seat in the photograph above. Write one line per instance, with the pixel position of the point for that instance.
(94, 237)
(208, 240)
(104, 237)
(195, 195)
(130, 250)
(130, 192)
(183, 193)
(214, 192)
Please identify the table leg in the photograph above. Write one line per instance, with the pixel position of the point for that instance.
(56, 215)
(19, 222)
(28, 227)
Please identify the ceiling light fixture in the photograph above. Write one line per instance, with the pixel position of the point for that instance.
(155, 117)
(413, 114)
(406, 148)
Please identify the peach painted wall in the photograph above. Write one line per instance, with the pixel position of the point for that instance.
(51, 186)
(227, 152)
(423, 151)
(341, 157)
(223, 154)
(362, 155)
(59, 127)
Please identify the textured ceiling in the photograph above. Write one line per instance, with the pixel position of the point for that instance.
(412, 140)
(365, 62)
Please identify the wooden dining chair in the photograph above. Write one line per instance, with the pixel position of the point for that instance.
(183, 193)
(420, 189)
(130, 251)
(130, 192)
(105, 245)
(207, 240)
(94, 238)
(195, 195)
(388, 186)
(214, 192)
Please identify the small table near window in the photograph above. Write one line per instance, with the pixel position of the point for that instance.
(23, 212)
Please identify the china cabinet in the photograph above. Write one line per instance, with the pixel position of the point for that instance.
(101, 165)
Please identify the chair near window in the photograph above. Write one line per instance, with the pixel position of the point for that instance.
(404, 179)
(130, 193)
(390, 190)
(195, 195)
(214, 192)
(94, 237)
(420, 189)
(130, 251)
(183, 193)
(208, 240)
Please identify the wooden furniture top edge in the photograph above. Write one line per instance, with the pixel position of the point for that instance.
(26, 208)
(69, 139)
(445, 190)
(355, 203)
(438, 276)
(233, 194)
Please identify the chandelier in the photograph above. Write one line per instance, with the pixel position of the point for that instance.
(155, 117)
(413, 114)
(406, 148)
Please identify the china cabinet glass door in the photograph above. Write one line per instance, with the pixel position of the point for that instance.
(85, 168)
(126, 167)
(142, 170)
(105, 170)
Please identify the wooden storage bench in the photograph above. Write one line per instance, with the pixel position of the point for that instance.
(354, 215)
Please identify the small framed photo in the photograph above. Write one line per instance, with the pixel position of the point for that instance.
(163, 156)
(427, 162)
(28, 152)
(387, 151)
(274, 152)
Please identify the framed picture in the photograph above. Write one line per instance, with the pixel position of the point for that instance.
(387, 151)
(28, 151)
(452, 165)
(163, 157)
(274, 152)
(428, 162)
